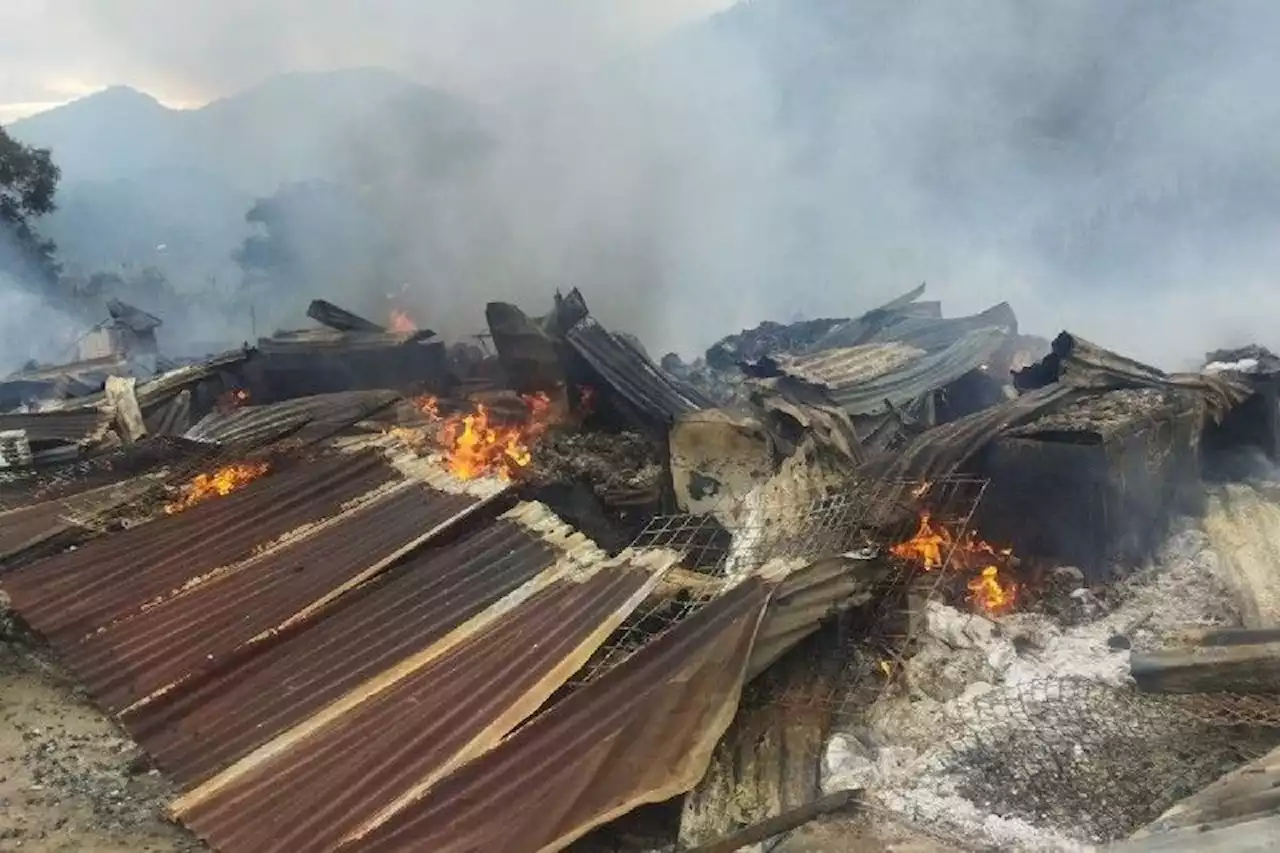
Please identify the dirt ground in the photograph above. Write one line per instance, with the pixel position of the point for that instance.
(70, 780)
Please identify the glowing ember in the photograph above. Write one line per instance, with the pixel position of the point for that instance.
(933, 546)
(231, 400)
(399, 321)
(222, 482)
(474, 444)
(991, 593)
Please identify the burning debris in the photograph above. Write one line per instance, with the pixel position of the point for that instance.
(892, 528)
(933, 547)
(477, 442)
(219, 483)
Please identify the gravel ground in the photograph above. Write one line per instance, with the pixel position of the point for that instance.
(70, 779)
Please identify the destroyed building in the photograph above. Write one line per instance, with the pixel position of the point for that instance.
(353, 589)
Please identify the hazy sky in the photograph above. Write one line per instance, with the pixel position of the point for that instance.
(189, 51)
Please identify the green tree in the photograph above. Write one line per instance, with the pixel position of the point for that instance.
(28, 181)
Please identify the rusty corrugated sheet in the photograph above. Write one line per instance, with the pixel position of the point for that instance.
(198, 629)
(71, 594)
(641, 733)
(627, 370)
(397, 742)
(195, 733)
(78, 426)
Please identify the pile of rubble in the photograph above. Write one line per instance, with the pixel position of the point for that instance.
(353, 588)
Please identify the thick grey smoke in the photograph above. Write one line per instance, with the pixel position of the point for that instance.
(1104, 165)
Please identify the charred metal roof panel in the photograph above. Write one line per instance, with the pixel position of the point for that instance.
(850, 366)
(24, 528)
(916, 378)
(255, 425)
(195, 733)
(396, 742)
(68, 427)
(630, 372)
(105, 468)
(641, 733)
(42, 526)
(309, 340)
(199, 629)
(74, 593)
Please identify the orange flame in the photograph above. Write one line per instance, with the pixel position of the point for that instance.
(932, 546)
(222, 482)
(400, 321)
(475, 445)
(991, 593)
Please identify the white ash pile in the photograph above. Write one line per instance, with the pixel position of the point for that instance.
(1022, 733)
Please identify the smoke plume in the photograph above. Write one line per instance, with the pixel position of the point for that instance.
(1103, 165)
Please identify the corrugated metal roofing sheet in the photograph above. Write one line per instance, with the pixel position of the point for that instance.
(67, 596)
(641, 733)
(46, 523)
(916, 378)
(630, 372)
(849, 366)
(196, 733)
(397, 742)
(256, 425)
(102, 469)
(200, 628)
(80, 426)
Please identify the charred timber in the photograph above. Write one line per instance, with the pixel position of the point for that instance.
(328, 314)
(1241, 669)
(785, 822)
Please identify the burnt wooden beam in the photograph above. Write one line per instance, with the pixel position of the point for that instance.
(778, 824)
(1250, 669)
(340, 319)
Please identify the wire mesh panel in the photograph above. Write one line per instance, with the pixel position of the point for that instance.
(740, 536)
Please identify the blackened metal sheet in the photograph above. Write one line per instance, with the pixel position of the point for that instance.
(24, 528)
(67, 596)
(27, 533)
(199, 629)
(102, 469)
(630, 372)
(641, 733)
(309, 797)
(74, 426)
(195, 733)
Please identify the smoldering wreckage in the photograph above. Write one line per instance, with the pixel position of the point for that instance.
(890, 582)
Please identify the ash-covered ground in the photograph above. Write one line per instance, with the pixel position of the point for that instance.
(70, 780)
(1022, 734)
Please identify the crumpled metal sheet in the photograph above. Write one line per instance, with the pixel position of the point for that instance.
(915, 378)
(629, 372)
